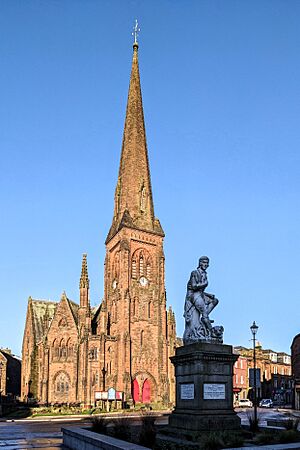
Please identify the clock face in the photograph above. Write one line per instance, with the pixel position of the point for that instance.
(143, 281)
(114, 284)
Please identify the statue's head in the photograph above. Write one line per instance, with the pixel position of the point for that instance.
(203, 262)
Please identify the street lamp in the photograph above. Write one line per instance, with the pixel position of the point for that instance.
(254, 329)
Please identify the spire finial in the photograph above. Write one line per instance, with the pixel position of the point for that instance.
(84, 279)
(135, 34)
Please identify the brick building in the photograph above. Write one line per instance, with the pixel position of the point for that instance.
(295, 349)
(240, 379)
(72, 352)
(10, 374)
(275, 373)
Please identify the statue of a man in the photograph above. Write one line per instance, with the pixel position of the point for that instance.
(198, 306)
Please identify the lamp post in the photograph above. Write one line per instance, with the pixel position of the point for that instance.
(254, 329)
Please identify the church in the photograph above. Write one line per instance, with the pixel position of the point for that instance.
(73, 353)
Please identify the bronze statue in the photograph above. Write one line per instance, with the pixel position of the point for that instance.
(198, 305)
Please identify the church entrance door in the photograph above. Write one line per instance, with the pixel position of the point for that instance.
(146, 392)
(136, 391)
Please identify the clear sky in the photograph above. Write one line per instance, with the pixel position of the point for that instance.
(221, 93)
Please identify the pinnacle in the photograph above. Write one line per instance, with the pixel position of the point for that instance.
(84, 279)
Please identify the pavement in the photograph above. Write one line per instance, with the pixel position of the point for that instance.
(45, 432)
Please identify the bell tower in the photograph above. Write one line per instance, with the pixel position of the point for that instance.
(137, 351)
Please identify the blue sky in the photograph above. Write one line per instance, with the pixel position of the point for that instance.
(221, 92)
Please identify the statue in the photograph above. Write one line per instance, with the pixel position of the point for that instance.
(198, 305)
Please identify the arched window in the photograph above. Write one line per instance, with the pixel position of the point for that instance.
(62, 383)
(141, 264)
(62, 349)
(148, 269)
(133, 268)
(55, 349)
(69, 349)
(142, 338)
(116, 265)
(149, 309)
(108, 324)
(134, 306)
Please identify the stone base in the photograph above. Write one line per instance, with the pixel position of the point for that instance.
(204, 389)
(204, 422)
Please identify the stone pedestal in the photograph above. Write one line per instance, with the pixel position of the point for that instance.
(204, 396)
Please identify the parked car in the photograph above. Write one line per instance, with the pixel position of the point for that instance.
(266, 403)
(244, 403)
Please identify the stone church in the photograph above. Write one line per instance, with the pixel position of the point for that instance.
(73, 353)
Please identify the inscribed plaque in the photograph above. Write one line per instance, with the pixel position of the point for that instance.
(187, 391)
(213, 391)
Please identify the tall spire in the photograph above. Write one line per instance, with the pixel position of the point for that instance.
(133, 195)
(84, 279)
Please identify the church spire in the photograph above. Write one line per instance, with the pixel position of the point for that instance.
(133, 196)
(84, 279)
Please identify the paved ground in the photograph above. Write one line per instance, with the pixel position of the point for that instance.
(25, 434)
(46, 433)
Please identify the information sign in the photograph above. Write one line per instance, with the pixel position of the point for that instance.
(187, 391)
(214, 391)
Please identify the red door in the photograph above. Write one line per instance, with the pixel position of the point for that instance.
(146, 392)
(136, 391)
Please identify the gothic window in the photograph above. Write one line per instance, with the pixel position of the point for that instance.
(133, 268)
(62, 323)
(149, 310)
(69, 348)
(148, 269)
(108, 325)
(134, 306)
(62, 383)
(55, 349)
(116, 265)
(142, 338)
(141, 264)
(93, 354)
(62, 350)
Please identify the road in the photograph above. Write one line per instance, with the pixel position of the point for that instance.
(46, 433)
(25, 434)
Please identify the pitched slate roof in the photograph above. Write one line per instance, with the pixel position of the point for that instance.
(42, 314)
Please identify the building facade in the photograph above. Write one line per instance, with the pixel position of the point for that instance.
(275, 374)
(10, 374)
(295, 349)
(72, 352)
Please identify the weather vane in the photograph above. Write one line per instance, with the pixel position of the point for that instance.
(136, 31)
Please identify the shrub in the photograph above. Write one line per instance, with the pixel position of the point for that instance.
(148, 431)
(253, 423)
(266, 437)
(99, 424)
(291, 424)
(121, 428)
(289, 436)
(232, 439)
(212, 441)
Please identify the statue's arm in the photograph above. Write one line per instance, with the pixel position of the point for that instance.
(195, 282)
